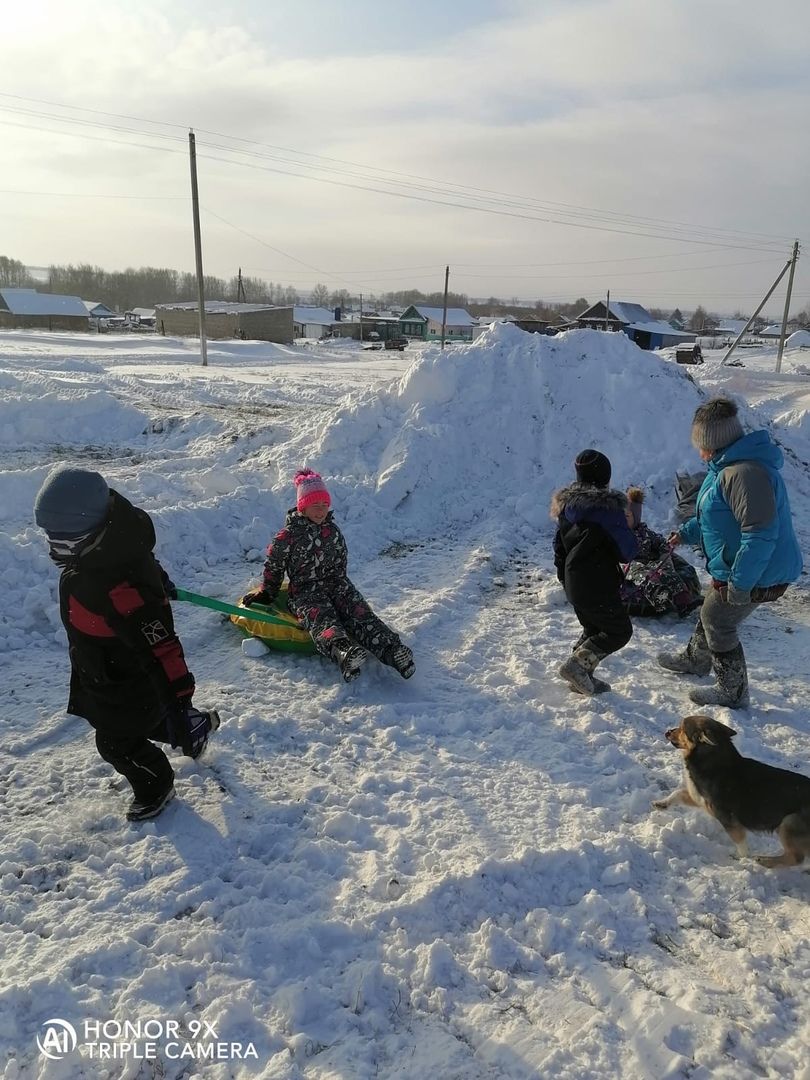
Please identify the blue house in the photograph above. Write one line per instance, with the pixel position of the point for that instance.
(635, 321)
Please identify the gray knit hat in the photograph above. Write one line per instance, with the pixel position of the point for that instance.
(716, 425)
(71, 502)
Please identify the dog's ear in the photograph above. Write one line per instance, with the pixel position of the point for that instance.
(707, 730)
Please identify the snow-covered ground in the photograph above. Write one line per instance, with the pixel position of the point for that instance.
(457, 876)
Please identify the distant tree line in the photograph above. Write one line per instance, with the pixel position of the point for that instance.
(146, 286)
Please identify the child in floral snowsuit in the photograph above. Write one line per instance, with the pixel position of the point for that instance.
(658, 580)
(312, 551)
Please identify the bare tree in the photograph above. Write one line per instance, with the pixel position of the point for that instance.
(320, 295)
(13, 274)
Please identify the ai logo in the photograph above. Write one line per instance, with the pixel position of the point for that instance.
(58, 1039)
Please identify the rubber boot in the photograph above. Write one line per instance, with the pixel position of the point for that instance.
(349, 658)
(695, 659)
(400, 657)
(731, 688)
(578, 672)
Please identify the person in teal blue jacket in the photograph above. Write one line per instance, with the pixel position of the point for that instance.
(744, 528)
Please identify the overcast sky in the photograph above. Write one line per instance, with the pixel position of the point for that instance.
(656, 148)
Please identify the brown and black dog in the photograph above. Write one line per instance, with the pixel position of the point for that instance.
(742, 794)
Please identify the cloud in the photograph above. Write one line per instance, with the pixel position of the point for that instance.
(676, 110)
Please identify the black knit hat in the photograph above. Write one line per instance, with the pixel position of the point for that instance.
(593, 468)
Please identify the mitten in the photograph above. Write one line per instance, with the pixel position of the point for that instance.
(189, 728)
(256, 596)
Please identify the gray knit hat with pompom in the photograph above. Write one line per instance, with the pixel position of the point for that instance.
(716, 425)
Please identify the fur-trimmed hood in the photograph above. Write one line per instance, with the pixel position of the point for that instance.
(578, 500)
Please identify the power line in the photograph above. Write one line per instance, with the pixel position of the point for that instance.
(95, 195)
(264, 243)
(375, 170)
(452, 195)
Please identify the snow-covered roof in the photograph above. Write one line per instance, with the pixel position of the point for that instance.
(622, 311)
(142, 312)
(455, 316)
(630, 313)
(731, 326)
(31, 302)
(217, 307)
(655, 326)
(799, 340)
(316, 316)
(94, 307)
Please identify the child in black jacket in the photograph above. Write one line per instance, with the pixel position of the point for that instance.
(128, 673)
(593, 537)
(311, 550)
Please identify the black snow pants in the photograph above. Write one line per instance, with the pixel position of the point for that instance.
(334, 609)
(606, 627)
(138, 759)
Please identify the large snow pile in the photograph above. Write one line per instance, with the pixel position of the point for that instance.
(487, 431)
(798, 340)
(38, 410)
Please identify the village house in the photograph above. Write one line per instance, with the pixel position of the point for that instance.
(634, 321)
(225, 320)
(27, 309)
(312, 322)
(425, 323)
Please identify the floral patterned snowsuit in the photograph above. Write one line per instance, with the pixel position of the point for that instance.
(321, 596)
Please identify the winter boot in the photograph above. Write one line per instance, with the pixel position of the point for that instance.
(732, 681)
(145, 807)
(349, 658)
(695, 659)
(578, 672)
(583, 637)
(400, 657)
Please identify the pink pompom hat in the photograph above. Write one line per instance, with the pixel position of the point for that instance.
(311, 489)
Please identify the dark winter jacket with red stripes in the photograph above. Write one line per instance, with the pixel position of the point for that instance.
(310, 555)
(127, 664)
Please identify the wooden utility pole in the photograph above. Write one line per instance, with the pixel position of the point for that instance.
(765, 300)
(607, 311)
(195, 211)
(786, 314)
(241, 295)
(444, 309)
(361, 316)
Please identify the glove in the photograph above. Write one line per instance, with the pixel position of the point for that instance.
(738, 597)
(189, 727)
(256, 596)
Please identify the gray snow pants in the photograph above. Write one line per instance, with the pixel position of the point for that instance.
(721, 619)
